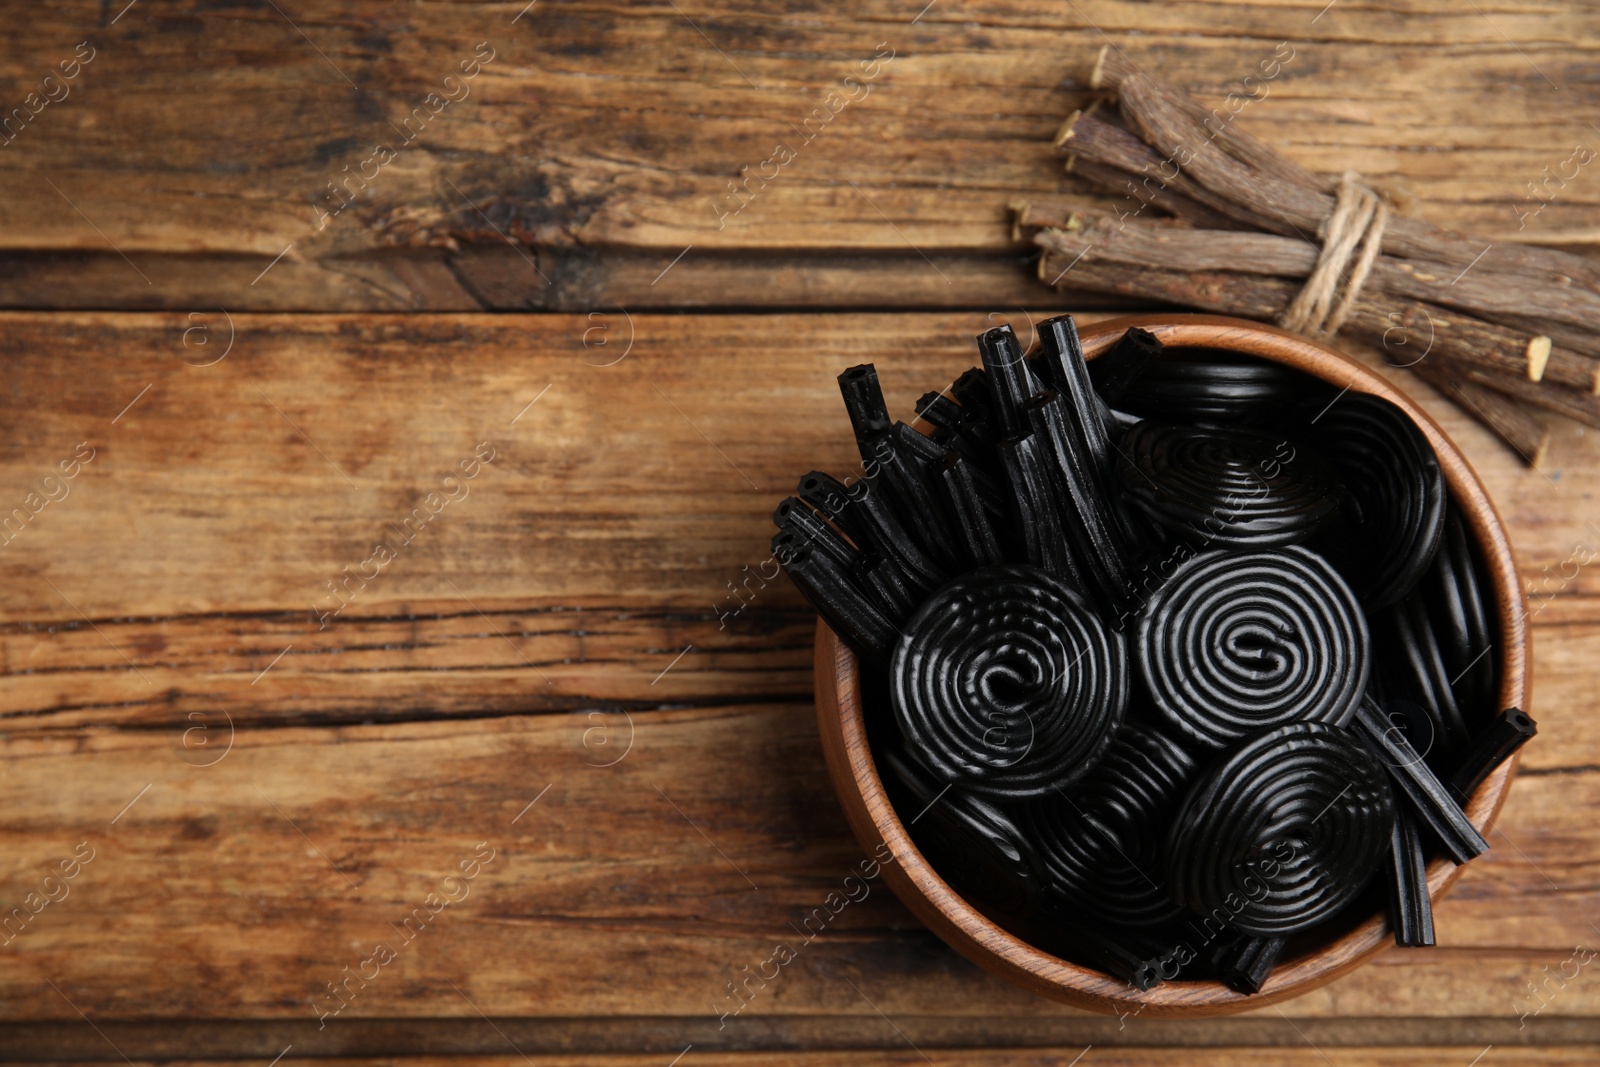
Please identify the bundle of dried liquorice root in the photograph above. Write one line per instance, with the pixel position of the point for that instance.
(1215, 220)
(1169, 658)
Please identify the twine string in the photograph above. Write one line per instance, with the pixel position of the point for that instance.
(1352, 237)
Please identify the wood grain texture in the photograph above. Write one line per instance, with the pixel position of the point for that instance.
(598, 545)
(619, 130)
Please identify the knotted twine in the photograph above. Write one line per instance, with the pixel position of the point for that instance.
(1352, 237)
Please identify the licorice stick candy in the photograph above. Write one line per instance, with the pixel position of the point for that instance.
(866, 517)
(793, 514)
(863, 400)
(1510, 730)
(1011, 381)
(968, 425)
(980, 544)
(1410, 907)
(1061, 356)
(1096, 543)
(832, 501)
(886, 585)
(848, 610)
(1120, 367)
(909, 457)
(971, 391)
(1035, 522)
(1246, 962)
(1429, 799)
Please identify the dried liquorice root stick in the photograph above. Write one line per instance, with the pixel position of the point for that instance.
(1505, 417)
(1503, 310)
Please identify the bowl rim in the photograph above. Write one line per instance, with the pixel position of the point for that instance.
(966, 929)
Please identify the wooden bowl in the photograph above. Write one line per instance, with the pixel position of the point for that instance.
(970, 932)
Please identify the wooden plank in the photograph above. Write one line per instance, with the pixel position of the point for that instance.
(1568, 1056)
(638, 889)
(551, 146)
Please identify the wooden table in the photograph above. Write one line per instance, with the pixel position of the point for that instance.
(563, 674)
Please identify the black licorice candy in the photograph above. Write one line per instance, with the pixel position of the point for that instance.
(1094, 539)
(1454, 589)
(1283, 832)
(847, 609)
(1204, 387)
(1240, 641)
(793, 514)
(1410, 906)
(872, 524)
(1245, 963)
(1021, 466)
(1394, 517)
(976, 845)
(1226, 487)
(976, 534)
(1011, 381)
(1429, 799)
(1123, 364)
(1099, 842)
(1413, 668)
(1510, 730)
(863, 400)
(1005, 683)
(1035, 527)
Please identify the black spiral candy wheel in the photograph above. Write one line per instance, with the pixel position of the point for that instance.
(1237, 642)
(1229, 488)
(1099, 842)
(1283, 833)
(1006, 683)
(1394, 511)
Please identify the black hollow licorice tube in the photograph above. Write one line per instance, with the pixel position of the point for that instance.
(1429, 799)
(1090, 532)
(863, 399)
(909, 458)
(792, 514)
(886, 585)
(1119, 368)
(1246, 962)
(1036, 525)
(1010, 380)
(940, 410)
(971, 391)
(872, 525)
(842, 605)
(832, 500)
(1410, 907)
(977, 537)
(1510, 730)
(1062, 354)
